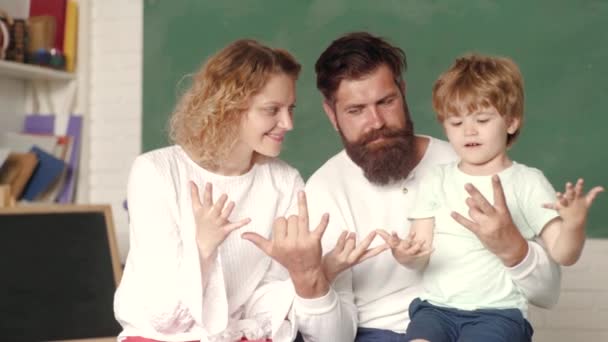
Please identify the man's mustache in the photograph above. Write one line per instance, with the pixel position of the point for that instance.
(385, 133)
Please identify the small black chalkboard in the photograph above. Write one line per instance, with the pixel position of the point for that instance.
(60, 269)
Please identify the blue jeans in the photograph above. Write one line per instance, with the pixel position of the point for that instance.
(378, 335)
(439, 324)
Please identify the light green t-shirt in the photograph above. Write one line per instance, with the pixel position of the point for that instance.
(461, 272)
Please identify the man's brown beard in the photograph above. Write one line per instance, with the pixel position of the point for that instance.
(392, 160)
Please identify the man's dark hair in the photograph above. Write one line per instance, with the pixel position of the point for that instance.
(353, 56)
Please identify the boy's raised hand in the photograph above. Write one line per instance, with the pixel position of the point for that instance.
(347, 253)
(406, 251)
(573, 205)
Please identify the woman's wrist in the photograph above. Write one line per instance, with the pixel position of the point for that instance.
(206, 252)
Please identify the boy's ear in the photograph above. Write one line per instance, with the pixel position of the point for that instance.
(514, 125)
(331, 114)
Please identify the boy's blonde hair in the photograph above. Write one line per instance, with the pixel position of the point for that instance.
(475, 82)
(205, 121)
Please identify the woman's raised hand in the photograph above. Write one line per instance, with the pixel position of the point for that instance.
(211, 219)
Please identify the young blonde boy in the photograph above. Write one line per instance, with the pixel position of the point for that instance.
(468, 293)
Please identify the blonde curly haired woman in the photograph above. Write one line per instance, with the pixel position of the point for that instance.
(186, 277)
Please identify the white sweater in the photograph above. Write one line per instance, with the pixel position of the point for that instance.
(377, 293)
(161, 294)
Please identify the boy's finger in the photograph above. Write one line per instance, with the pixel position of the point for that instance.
(592, 194)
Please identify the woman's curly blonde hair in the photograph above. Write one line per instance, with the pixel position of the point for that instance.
(206, 119)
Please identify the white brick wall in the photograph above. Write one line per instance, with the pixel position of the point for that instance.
(582, 312)
(115, 97)
(115, 139)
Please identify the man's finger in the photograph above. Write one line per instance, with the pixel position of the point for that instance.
(373, 252)
(351, 242)
(363, 245)
(385, 236)
(320, 230)
(341, 241)
(303, 211)
(472, 226)
(292, 228)
(279, 228)
(261, 242)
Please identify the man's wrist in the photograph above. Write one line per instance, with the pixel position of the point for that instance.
(311, 284)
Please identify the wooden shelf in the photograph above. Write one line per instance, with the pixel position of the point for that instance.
(23, 71)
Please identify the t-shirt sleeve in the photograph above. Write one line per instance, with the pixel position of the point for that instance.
(427, 203)
(538, 191)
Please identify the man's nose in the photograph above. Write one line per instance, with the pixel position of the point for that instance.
(376, 118)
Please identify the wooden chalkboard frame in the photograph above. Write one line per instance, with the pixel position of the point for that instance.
(106, 210)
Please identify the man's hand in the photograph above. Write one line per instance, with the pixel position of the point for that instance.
(493, 225)
(298, 249)
(347, 254)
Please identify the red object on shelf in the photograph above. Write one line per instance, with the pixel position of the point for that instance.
(55, 8)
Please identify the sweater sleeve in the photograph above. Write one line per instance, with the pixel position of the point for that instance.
(538, 277)
(161, 282)
(332, 317)
(274, 296)
(272, 300)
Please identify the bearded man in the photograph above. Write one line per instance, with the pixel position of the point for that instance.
(356, 292)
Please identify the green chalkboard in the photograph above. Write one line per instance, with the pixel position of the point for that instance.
(560, 45)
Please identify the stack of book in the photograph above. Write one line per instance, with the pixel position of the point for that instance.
(34, 166)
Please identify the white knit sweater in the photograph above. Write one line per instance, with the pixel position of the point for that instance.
(161, 294)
